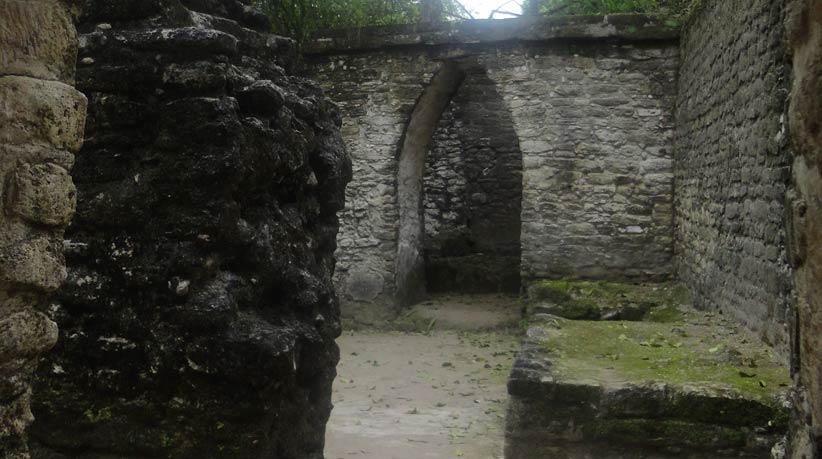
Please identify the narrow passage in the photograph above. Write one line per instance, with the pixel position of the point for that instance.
(437, 391)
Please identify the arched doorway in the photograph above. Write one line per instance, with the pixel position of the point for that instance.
(459, 190)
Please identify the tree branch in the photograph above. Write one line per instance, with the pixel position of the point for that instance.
(464, 9)
(499, 9)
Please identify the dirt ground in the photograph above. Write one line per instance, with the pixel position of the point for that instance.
(436, 393)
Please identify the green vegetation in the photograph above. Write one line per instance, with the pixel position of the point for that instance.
(301, 18)
(677, 353)
(581, 300)
(588, 7)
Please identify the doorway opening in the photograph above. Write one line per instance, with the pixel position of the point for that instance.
(459, 190)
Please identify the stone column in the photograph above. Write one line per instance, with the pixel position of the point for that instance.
(804, 27)
(41, 127)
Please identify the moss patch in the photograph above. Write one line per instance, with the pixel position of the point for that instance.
(689, 352)
(580, 300)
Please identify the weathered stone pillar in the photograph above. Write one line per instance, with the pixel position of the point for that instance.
(410, 263)
(41, 126)
(804, 26)
(199, 317)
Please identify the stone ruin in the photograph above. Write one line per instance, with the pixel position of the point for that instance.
(193, 289)
(41, 128)
(197, 315)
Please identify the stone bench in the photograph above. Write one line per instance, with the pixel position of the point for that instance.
(688, 385)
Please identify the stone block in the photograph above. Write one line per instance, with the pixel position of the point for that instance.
(30, 259)
(41, 112)
(26, 334)
(677, 387)
(37, 40)
(42, 194)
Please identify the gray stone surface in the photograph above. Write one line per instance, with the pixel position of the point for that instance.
(472, 193)
(41, 127)
(621, 27)
(804, 27)
(594, 124)
(595, 127)
(198, 319)
(733, 164)
(645, 390)
(376, 94)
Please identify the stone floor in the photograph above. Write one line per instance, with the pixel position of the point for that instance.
(436, 392)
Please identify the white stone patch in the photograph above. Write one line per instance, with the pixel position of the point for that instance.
(633, 230)
(117, 340)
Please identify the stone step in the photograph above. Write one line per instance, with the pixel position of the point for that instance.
(695, 387)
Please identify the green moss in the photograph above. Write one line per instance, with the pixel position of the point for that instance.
(584, 300)
(667, 314)
(676, 353)
(673, 23)
(577, 310)
(97, 416)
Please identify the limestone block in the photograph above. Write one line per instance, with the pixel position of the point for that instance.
(26, 334)
(37, 39)
(37, 111)
(43, 194)
(34, 154)
(14, 417)
(31, 259)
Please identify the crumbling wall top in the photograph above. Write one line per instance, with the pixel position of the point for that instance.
(623, 27)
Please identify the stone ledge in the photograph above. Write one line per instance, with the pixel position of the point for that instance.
(693, 386)
(477, 31)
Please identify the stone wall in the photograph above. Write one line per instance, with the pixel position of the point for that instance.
(733, 165)
(41, 127)
(591, 103)
(444, 184)
(595, 126)
(376, 93)
(804, 30)
(472, 194)
(199, 317)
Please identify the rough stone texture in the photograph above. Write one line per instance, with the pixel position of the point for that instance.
(626, 390)
(804, 27)
(472, 194)
(595, 126)
(528, 28)
(376, 94)
(593, 119)
(38, 40)
(199, 317)
(733, 166)
(410, 260)
(41, 127)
